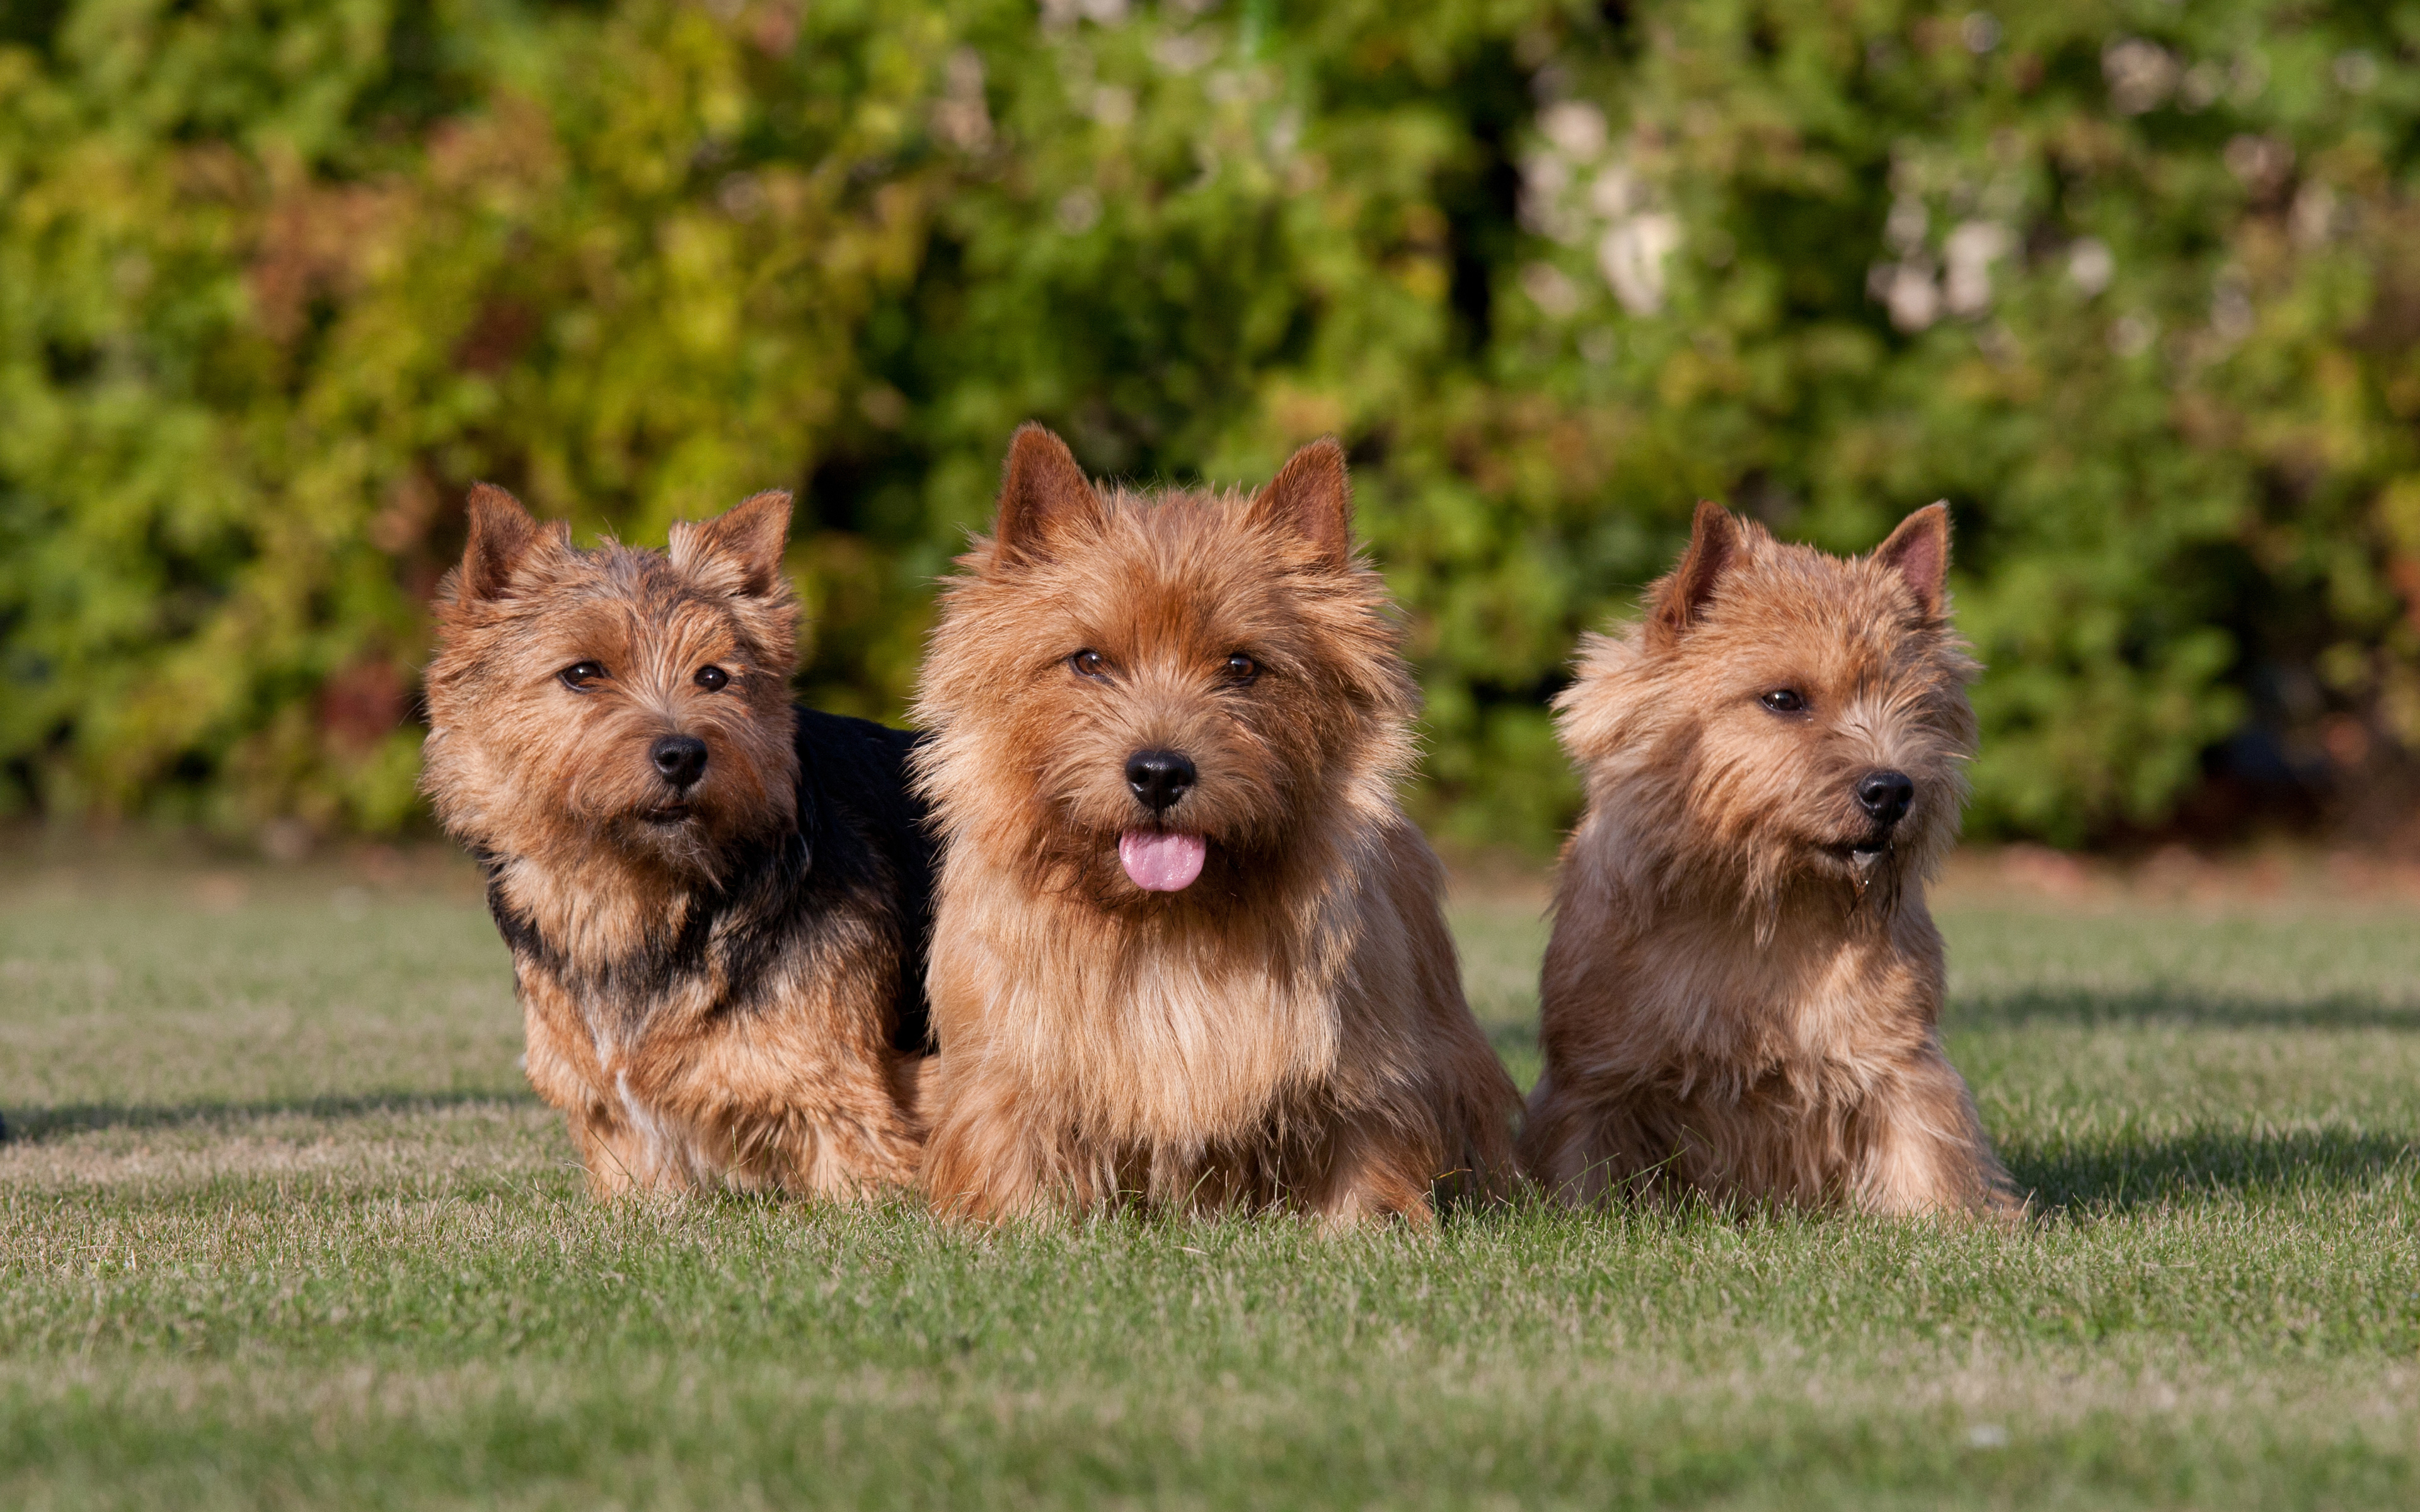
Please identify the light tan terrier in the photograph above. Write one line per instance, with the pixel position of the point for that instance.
(1742, 996)
(1187, 949)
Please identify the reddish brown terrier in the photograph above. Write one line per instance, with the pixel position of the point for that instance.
(1187, 949)
(1742, 991)
(716, 903)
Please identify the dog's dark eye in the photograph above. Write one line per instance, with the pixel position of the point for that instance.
(1784, 700)
(1090, 663)
(579, 674)
(713, 679)
(1240, 669)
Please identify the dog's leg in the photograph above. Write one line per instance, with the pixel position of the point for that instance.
(1923, 1148)
(611, 1153)
(863, 1144)
(1374, 1173)
(984, 1161)
(1585, 1147)
(562, 1066)
(873, 1137)
(1557, 1148)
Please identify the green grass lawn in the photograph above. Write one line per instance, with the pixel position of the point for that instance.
(280, 1225)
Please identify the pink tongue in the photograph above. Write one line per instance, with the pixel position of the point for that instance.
(1161, 863)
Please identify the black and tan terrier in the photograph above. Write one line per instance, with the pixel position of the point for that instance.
(716, 902)
(1743, 992)
(1187, 949)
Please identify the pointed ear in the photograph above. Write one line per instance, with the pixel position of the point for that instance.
(1042, 492)
(738, 552)
(1918, 551)
(504, 537)
(1715, 542)
(1312, 497)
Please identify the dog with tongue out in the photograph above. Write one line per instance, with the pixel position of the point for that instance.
(1187, 949)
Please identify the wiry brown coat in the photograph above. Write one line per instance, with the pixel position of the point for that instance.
(1741, 991)
(721, 983)
(1290, 1029)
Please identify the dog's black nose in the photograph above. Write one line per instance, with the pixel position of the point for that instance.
(1159, 777)
(1886, 796)
(681, 759)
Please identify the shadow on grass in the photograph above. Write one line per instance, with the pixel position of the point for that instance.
(2148, 1173)
(2179, 1006)
(30, 1125)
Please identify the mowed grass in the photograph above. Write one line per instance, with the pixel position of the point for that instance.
(281, 1226)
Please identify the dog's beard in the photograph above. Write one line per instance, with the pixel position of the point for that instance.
(1771, 877)
(688, 846)
(1874, 868)
(1862, 862)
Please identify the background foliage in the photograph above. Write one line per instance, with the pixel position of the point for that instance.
(2133, 284)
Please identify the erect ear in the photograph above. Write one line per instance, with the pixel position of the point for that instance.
(1312, 497)
(1715, 542)
(1918, 551)
(1042, 492)
(738, 552)
(502, 539)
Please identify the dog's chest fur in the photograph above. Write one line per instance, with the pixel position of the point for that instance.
(662, 1030)
(636, 958)
(1144, 1031)
(1811, 1014)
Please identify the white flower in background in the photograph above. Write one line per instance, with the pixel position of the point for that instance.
(741, 197)
(2261, 163)
(1970, 251)
(2140, 74)
(1080, 211)
(1184, 52)
(2313, 219)
(2090, 265)
(1919, 285)
(1904, 231)
(1615, 192)
(960, 117)
(1544, 176)
(2203, 83)
(1550, 289)
(1906, 288)
(1113, 106)
(1904, 285)
(2232, 317)
(1058, 15)
(1631, 256)
(1575, 128)
(1577, 189)
(1285, 133)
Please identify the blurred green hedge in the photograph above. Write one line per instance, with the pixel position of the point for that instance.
(2135, 286)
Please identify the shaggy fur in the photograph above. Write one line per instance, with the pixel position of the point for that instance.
(1289, 1029)
(1740, 994)
(722, 980)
